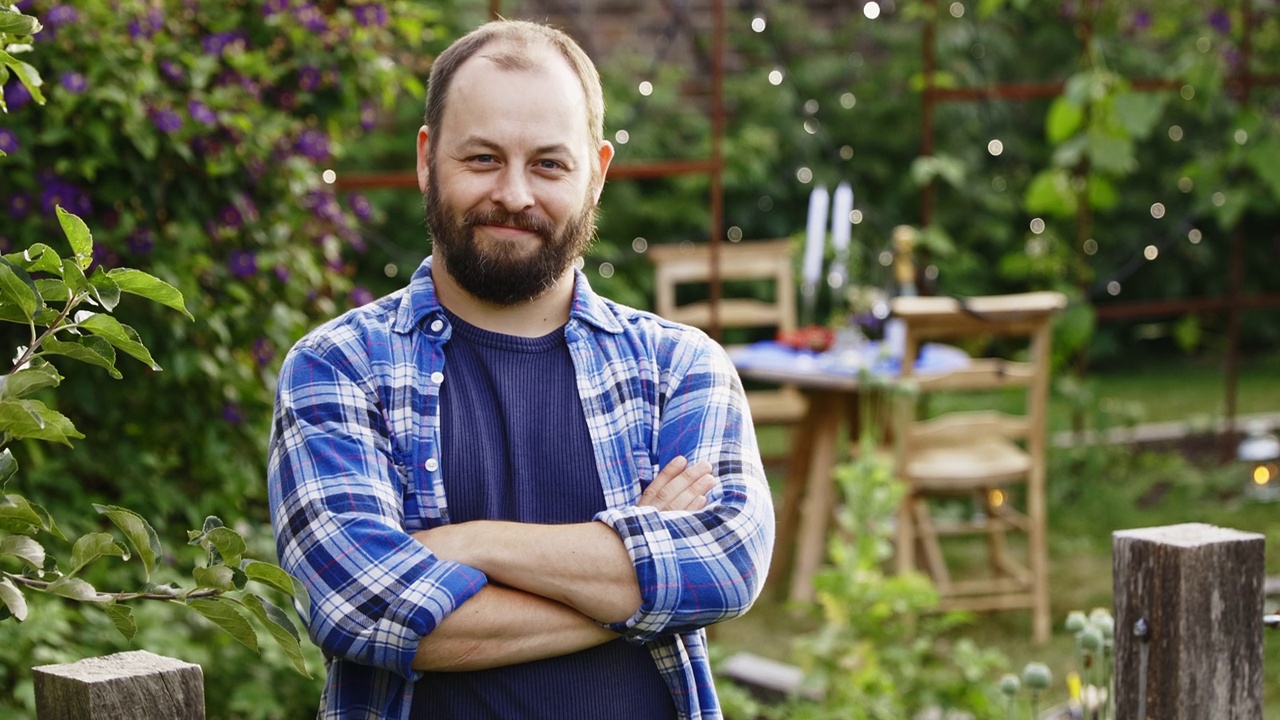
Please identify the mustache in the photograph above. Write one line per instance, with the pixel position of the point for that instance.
(522, 220)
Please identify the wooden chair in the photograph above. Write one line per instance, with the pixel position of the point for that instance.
(767, 260)
(988, 456)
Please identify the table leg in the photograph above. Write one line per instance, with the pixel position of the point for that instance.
(826, 411)
(793, 492)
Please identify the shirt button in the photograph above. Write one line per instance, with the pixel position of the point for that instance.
(432, 464)
(437, 325)
(437, 377)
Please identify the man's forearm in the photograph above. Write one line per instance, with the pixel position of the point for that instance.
(583, 565)
(501, 626)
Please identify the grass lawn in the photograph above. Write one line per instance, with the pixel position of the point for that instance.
(1092, 493)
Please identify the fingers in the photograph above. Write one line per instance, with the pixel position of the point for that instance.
(680, 486)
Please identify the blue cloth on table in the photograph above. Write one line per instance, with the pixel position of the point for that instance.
(869, 356)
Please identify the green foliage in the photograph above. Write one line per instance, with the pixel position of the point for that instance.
(881, 651)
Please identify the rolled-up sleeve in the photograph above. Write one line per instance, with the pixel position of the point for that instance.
(699, 568)
(336, 500)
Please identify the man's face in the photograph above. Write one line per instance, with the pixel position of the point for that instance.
(510, 189)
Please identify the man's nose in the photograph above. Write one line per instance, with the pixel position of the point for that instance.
(512, 190)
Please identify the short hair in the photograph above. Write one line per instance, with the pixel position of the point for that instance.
(521, 39)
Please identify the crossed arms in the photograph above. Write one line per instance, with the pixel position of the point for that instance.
(551, 586)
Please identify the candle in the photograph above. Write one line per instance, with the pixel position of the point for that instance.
(815, 236)
(842, 205)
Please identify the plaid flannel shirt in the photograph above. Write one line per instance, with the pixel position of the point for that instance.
(354, 469)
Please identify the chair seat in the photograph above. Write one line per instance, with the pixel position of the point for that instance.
(979, 463)
(785, 405)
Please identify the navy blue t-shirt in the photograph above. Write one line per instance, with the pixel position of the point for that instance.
(516, 447)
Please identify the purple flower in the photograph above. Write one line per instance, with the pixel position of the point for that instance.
(1141, 20)
(19, 205)
(230, 217)
(263, 351)
(147, 25)
(141, 240)
(167, 121)
(16, 95)
(282, 273)
(1219, 20)
(272, 7)
(172, 70)
(313, 144)
(60, 15)
(57, 193)
(311, 18)
(8, 141)
(74, 82)
(361, 296)
(360, 205)
(323, 205)
(309, 77)
(201, 113)
(368, 15)
(243, 263)
(231, 414)
(218, 43)
(368, 115)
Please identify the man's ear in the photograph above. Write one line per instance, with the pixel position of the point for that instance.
(605, 157)
(424, 152)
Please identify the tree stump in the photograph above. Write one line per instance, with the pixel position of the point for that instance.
(136, 685)
(1188, 633)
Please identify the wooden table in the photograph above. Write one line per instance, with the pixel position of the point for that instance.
(836, 393)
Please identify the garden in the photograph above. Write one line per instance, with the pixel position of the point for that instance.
(188, 186)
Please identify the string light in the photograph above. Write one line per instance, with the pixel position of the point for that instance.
(1185, 184)
(1195, 236)
(639, 244)
(1175, 132)
(1151, 252)
(811, 126)
(1157, 210)
(1037, 225)
(758, 23)
(995, 147)
(1219, 199)
(1113, 288)
(1090, 247)
(606, 269)
(871, 10)
(848, 100)
(391, 270)
(646, 88)
(329, 177)
(1187, 92)
(622, 136)
(811, 106)
(1241, 136)
(855, 217)
(735, 234)
(846, 152)
(804, 175)
(886, 258)
(956, 10)
(775, 76)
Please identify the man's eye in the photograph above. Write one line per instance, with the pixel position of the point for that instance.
(550, 165)
(483, 159)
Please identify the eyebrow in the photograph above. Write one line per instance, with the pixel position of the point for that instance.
(472, 141)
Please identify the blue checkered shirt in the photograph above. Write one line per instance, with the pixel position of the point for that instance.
(354, 468)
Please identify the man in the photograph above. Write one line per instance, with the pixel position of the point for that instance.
(481, 479)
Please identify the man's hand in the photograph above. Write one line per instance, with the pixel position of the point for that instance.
(679, 486)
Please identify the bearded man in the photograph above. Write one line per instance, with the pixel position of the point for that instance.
(507, 496)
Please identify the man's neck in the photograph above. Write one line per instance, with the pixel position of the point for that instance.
(534, 318)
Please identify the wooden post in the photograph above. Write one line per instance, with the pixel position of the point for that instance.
(137, 685)
(1188, 633)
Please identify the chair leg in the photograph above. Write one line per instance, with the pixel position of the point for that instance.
(932, 550)
(996, 549)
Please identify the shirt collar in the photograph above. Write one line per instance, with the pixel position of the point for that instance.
(420, 303)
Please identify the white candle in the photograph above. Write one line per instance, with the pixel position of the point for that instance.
(840, 226)
(815, 237)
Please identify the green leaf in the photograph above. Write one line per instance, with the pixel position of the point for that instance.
(218, 577)
(1111, 154)
(28, 380)
(17, 287)
(37, 258)
(225, 615)
(105, 290)
(272, 575)
(121, 336)
(53, 290)
(1102, 193)
(13, 599)
(18, 24)
(1063, 120)
(1264, 158)
(74, 277)
(79, 236)
(8, 466)
(89, 349)
(122, 617)
(93, 546)
(137, 282)
(74, 588)
(281, 628)
(27, 74)
(1139, 111)
(227, 544)
(31, 419)
(138, 531)
(1050, 192)
(25, 549)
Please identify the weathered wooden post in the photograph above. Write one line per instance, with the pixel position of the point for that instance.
(137, 685)
(1188, 611)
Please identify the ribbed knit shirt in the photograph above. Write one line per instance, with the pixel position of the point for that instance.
(516, 447)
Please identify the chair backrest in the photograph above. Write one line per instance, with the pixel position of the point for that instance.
(1028, 316)
(689, 264)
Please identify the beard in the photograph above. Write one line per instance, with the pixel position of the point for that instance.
(504, 274)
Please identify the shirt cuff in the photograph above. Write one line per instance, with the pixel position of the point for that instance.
(654, 554)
